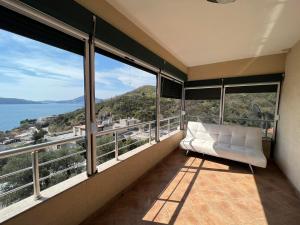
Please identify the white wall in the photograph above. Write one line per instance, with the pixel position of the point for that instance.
(242, 67)
(287, 152)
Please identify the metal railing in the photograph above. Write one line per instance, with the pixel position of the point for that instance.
(264, 124)
(116, 143)
(36, 165)
(112, 140)
(167, 125)
(211, 119)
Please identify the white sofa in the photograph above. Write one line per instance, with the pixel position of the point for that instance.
(243, 144)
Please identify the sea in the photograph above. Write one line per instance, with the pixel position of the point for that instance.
(12, 114)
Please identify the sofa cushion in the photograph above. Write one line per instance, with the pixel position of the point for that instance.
(225, 135)
(253, 134)
(238, 137)
(256, 158)
(207, 132)
(238, 143)
(199, 145)
(233, 152)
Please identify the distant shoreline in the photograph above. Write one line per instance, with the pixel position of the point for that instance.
(78, 100)
(12, 114)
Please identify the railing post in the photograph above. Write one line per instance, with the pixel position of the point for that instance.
(276, 115)
(266, 130)
(168, 125)
(158, 89)
(222, 106)
(89, 89)
(36, 175)
(182, 109)
(150, 133)
(116, 146)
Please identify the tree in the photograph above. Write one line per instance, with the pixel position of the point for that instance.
(38, 135)
(2, 136)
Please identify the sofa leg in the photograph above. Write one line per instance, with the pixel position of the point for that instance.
(187, 152)
(251, 168)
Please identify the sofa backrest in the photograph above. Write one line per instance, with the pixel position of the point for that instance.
(249, 137)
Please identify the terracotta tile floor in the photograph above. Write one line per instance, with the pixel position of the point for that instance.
(205, 190)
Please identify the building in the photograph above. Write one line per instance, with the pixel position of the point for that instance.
(80, 130)
(125, 122)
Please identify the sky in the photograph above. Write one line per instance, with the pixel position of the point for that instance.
(35, 71)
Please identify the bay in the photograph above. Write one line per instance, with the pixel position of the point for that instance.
(12, 114)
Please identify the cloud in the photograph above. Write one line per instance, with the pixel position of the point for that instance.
(127, 75)
(38, 88)
(61, 68)
(33, 70)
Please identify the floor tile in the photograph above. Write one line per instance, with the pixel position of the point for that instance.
(197, 190)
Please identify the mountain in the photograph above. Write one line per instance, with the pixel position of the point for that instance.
(79, 100)
(139, 103)
(17, 101)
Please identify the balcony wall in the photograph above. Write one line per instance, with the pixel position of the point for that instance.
(75, 204)
(243, 67)
(287, 152)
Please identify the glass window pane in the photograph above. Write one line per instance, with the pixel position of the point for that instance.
(169, 115)
(125, 96)
(206, 111)
(42, 89)
(251, 109)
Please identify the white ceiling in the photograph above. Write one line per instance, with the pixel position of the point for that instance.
(198, 32)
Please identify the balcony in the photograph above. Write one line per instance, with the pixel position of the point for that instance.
(193, 189)
(114, 156)
(180, 189)
(121, 162)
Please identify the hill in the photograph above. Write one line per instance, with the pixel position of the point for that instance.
(79, 100)
(17, 101)
(140, 104)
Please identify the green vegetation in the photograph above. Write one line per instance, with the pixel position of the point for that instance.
(204, 110)
(64, 122)
(2, 136)
(24, 161)
(124, 145)
(38, 136)
(28, 122)
(252, 106)
(140, 104)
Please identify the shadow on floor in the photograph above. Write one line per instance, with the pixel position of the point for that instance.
(204, 190)
(279, 199)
